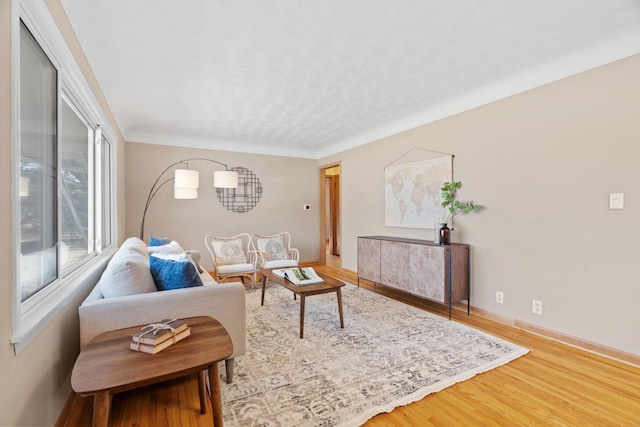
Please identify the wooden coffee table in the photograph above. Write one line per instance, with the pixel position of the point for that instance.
(106, 366)
(330, 285)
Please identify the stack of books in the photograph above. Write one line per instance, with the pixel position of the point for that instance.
(300, 276)
(157, 336)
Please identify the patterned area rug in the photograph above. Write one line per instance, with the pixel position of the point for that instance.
(389, 354)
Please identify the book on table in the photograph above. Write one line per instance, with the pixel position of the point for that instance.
(157, 333)
(153, 349)
(300, 275)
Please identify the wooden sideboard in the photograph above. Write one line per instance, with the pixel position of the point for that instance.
(420, 267)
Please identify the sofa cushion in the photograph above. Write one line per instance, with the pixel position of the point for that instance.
(158, 241)
(127, 274)
(174, 274)
(135, 244)
(272, 248)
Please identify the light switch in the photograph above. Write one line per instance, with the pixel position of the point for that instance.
(616, 201)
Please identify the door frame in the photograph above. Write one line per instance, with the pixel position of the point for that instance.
(323, 210)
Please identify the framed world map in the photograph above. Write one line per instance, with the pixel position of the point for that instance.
(412, 192)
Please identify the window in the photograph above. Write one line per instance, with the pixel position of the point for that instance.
(63, 178)
(76, 193)
(104, 193)
(38, 165)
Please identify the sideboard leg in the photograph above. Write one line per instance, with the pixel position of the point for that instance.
(468, 283)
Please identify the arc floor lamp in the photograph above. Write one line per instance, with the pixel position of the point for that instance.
(187, 182)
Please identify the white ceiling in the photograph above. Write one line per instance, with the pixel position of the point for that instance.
(309, 78)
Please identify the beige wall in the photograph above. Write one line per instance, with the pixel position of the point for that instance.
(36, 382)
(288, 184)
(544, 163)
(6, 260)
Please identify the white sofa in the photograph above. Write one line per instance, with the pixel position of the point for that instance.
(132, 299)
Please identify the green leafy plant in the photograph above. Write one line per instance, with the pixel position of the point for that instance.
(453, 206)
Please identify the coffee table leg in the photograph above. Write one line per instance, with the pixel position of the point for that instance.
(101, 409)
(302, 315)
(340, 307)
(201, 391)
(264, 285)
(216, 397)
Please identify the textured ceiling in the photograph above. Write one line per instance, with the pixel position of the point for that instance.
(309, 78)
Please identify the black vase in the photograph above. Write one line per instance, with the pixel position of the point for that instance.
(445, 234)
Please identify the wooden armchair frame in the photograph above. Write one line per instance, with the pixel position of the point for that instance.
(223, 272)
(293, 253)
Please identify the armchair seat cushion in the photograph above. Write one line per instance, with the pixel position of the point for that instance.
(281, 263)
(236, 268)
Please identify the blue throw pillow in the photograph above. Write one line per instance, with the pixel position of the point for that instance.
(169, 274)
(158, 241)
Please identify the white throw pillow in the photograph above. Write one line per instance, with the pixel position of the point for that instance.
(229, 252)
(272, 248)
(173, 257)
(170, 248)
(184, 256)
(135, 244)
(127, 274)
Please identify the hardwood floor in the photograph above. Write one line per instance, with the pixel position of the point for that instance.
(553, 385)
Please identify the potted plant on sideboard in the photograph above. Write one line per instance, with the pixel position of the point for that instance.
(454, 207)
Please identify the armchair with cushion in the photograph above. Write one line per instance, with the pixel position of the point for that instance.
(275, 251)
(232, 257)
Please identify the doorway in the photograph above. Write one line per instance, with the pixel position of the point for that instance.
(330, 238)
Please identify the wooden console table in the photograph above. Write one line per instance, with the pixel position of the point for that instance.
(420, 267)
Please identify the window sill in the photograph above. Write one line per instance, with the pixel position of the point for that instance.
(27, 325)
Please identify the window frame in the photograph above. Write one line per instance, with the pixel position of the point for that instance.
(93, 179)
(106, 185)
(32, 315)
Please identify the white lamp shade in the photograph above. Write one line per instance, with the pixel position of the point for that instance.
(187, 178)
(225, 179)
(185, 192)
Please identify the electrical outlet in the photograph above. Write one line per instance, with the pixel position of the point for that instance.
(536, 307)
(499, 297)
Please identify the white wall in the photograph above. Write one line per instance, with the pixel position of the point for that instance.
(543, 163)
